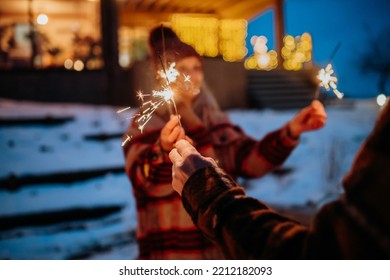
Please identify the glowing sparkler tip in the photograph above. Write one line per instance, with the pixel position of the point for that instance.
(328, 81)
(166, 93)
(170, 74)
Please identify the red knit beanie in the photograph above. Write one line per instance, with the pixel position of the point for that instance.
(165, 44)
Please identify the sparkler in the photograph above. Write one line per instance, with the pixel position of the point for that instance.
(328, 81)
(158, 98)
(325, 75)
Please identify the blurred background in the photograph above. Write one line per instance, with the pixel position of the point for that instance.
(68, 66)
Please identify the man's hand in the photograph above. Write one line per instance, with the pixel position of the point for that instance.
(310, 118)
(186, 160)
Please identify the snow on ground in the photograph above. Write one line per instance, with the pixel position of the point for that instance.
(319, 162)
(317, 165)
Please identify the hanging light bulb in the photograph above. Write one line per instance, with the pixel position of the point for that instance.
(42, 19)
(381, 99)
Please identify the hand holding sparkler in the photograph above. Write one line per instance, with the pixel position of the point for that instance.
(310, 118)
(171, 133)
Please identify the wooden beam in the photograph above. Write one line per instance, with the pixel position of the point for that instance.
(143, 5)
(109, 27)
(173, 5)
(143, 18)
(160, 3)
(130, 6)
(51, 15)
(279, 29)
(243, 9)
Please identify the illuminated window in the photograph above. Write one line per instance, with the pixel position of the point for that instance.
(50, 33)
(133, 45)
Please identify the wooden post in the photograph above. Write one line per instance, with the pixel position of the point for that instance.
(279, 30)
(32, 34)
(109, 30)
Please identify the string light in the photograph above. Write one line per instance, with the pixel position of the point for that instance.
(42, 19)
(296, 51)
(212, 37)
(381, 99)
(262, 59)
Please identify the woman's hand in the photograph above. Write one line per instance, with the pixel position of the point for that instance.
(171, 133)
(310, 118)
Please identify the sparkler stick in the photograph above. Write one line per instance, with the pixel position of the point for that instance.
(163, 42)
(334, 52)
(174, 74)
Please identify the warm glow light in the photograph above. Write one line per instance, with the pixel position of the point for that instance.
(124, 59)
(263, 60)
(211, 36)
(381, 99)
(78, 65)
(42, 19)
(68, 64)
(296, 51)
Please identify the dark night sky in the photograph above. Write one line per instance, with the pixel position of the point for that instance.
(353, 23)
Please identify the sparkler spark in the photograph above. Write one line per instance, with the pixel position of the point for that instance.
(140, 95)
(166, 93)
(164, 96)
(122, 110)
(170, 74)
(128, 138)
(161, 97)
(328, 81)
(158, 97)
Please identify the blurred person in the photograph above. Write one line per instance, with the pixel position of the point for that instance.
(355, 226)
(165, 231)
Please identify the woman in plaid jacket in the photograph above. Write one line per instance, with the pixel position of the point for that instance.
(165, 230)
